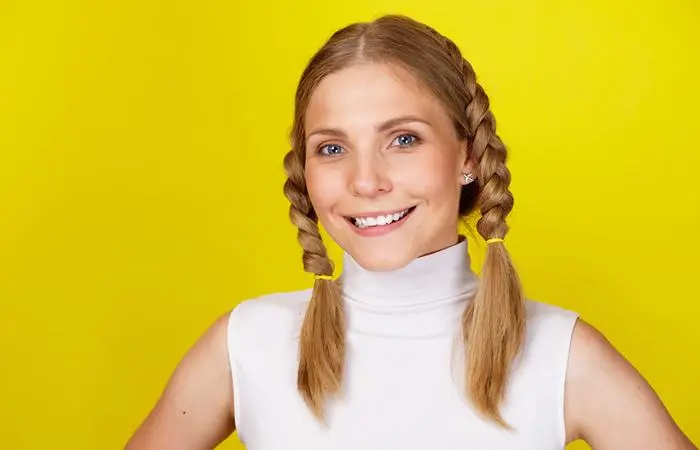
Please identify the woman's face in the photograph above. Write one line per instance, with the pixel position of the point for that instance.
(383, 165)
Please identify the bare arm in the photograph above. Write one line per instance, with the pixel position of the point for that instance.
(609, 404)
(195, 411)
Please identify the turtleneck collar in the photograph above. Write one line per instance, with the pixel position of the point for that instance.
(423, 298)
(437, 276)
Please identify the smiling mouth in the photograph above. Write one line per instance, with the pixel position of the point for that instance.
(381, 220)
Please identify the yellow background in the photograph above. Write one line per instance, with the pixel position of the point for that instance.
(140, 183)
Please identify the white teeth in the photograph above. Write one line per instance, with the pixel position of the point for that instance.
(363, 222)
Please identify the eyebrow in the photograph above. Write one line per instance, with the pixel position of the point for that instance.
(380, 128)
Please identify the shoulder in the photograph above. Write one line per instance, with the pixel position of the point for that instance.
(545, 353)
(262, 318)
(549, 325)
(271, 309)
(540, 312)
(608, 402)
(195, 409)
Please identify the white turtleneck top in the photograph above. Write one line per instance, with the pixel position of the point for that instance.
(403, 385)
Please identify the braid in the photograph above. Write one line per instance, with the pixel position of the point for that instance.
(493, 323)
(302, 214)
(495, 200)
(322, 340)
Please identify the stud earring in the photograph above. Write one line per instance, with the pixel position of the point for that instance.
(468, 178)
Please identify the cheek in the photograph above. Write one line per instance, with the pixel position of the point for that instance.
(323, 189)
(432, 176)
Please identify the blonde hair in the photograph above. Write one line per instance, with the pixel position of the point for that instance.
(493, 324)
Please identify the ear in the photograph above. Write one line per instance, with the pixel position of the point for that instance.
(469, 166)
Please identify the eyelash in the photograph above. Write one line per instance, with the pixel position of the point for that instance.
(416, 140)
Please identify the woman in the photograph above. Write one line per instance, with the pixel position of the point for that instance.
(393, 143)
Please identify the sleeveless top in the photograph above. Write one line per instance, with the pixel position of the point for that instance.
(403, 386)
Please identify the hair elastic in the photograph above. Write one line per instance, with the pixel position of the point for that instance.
(324, 277)
(494, 240)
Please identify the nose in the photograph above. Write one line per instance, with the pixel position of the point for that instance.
(370, 177)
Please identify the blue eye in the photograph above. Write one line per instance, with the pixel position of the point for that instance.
(330, 150)
(405, 140)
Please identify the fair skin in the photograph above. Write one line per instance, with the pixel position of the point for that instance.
(361, 161)
(395, 149)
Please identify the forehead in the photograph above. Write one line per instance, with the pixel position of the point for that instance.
(368, 93)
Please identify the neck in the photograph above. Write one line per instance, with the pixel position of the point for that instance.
(426, 296)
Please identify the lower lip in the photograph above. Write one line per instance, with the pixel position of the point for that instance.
(380, 230)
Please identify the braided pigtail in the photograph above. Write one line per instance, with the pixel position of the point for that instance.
(494, 322)
(322, 341)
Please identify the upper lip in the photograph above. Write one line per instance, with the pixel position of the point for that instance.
(379, 213)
